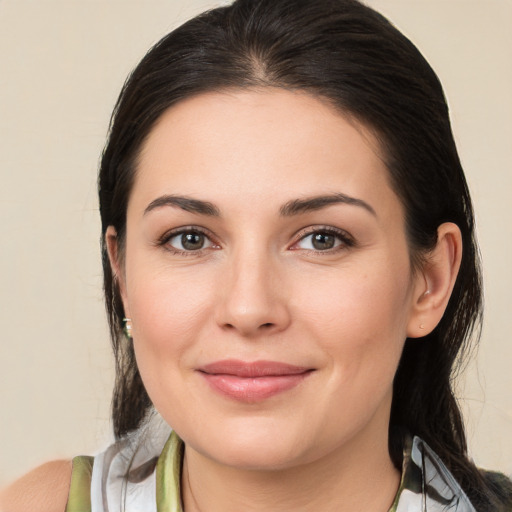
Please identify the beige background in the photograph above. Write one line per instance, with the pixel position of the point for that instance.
(62, 64)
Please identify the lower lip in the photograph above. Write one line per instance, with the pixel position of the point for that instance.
(253, 389)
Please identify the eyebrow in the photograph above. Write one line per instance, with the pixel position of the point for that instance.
(298, 206)
(291, 208)
(185, 203)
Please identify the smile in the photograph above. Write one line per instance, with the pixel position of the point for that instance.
(252, 382)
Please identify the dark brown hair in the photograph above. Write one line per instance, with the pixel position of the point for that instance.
(348, 54)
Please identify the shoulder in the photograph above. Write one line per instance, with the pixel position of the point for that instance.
(44, 489)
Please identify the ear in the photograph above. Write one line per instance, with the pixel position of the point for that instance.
(435, 281)
(112, 243)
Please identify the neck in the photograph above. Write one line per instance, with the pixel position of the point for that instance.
(357, 476)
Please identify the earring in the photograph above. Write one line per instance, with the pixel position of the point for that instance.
(128, 328)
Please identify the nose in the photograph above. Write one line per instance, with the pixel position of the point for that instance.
(253, 297)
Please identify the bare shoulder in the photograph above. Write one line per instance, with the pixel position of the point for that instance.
(44, 489)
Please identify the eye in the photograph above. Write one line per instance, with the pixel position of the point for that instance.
(324, 240)
(189, 240)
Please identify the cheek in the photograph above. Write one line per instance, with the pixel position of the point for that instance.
(169, 310)
(359, 315)
(356, 299)
(163, 311)
(169, 313)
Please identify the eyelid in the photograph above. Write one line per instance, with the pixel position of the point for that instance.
(168, 235)
(347, 240)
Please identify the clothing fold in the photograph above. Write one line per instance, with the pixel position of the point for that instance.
(143, 472)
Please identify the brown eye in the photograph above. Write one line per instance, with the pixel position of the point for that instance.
(324, 240)
(189, 241)
(192, 241)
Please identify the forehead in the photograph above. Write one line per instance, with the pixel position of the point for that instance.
(268, 144)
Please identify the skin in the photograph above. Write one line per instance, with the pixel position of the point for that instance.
(258, 289)
(44, 489)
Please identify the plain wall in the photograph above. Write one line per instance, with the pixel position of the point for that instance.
(62, 64)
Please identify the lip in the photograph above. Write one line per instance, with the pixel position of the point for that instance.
(252, 381)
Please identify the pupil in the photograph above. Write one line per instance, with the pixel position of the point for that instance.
(192, 241)
(323, 241)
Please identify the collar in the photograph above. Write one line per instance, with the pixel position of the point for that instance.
(426, 484)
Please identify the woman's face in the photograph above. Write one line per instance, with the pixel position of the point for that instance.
(267, 276)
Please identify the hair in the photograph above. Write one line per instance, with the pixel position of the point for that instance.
(348, 54)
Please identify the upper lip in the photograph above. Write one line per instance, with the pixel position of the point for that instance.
(252, 369)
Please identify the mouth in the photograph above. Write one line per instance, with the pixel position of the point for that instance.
(252, 381)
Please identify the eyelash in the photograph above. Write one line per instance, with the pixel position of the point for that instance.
(345, 239)
(342, 236)
(169, 235)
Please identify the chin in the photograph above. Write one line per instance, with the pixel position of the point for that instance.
(254, 457)
(260, 444)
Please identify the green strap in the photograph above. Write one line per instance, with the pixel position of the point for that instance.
(79, 499)
(168, 475)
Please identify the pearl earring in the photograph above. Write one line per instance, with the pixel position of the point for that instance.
(128, 328)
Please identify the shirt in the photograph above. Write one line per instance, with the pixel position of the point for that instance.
(130, 476)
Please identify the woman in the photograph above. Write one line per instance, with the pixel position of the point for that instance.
(290, 273)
